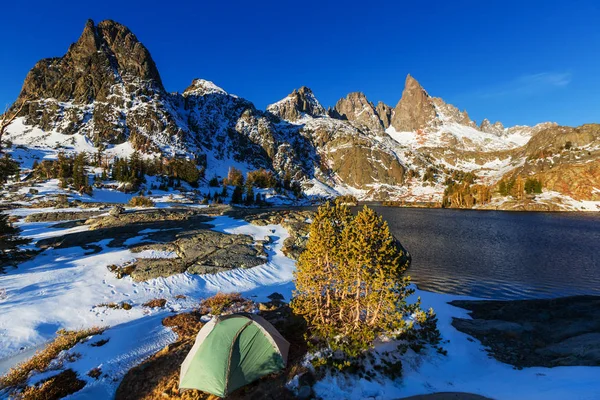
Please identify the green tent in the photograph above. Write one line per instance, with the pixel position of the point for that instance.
(231, 351)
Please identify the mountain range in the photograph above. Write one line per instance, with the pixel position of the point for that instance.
(107, 91)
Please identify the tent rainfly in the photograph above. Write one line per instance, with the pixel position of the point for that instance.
(230, 352)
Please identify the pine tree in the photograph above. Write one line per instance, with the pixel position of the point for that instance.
(237, 196)
(249, 195)
(350, 282)
(315, 294)
(8, 167)
(9, 241)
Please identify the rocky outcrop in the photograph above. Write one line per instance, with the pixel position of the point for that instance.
(203, 252)
(536, 333)
(298, 104)
(496, 128)
(385, 113)
(62, 216)
(415, 110)
(356, 108)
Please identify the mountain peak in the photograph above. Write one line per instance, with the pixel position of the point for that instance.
(415, 109)
(357, 108)
(105, 55)
(202, 87)
(297, 105)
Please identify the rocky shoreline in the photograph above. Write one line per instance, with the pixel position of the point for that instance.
(556, 332)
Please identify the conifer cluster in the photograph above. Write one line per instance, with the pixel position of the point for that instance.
(350, 281)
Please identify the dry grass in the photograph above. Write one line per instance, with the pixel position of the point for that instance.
(40, 361)
(185, 325)
(95, 373)
(54, 388)
(155, 303)
(141, 201)
(226, 303)
(116, 306)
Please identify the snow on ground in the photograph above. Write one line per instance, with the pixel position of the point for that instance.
(61, 288)
(467, 368)
(470, 138)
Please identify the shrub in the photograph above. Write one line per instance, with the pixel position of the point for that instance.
(155, 303)
(64, 340)
(225, 303)
(56, 387)
(141, 201)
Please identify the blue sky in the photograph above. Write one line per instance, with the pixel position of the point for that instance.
(520, 62)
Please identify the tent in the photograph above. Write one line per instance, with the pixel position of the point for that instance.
(231, 351)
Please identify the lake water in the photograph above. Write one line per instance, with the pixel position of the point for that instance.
(500, 255)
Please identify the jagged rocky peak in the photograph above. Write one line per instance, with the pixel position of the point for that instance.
(105, 54)
(356, 108)
(299, 104)
(496, 128)
(201, 87)
(385, 113)
(415, 110)
(106, 87)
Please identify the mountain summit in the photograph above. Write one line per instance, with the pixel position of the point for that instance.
(298, 104)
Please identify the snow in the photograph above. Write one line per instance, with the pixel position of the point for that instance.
(466, 368)
(61, 288)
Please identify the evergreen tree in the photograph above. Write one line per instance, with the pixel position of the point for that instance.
(224, 193)
(350, 283)
(502, 188)
(249, 195)
(8, 167)
(235, 177)
(9, 241)
(237, 195)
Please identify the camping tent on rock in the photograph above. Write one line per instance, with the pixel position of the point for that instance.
(231, 351)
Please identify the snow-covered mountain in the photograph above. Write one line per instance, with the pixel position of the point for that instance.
(107, 91)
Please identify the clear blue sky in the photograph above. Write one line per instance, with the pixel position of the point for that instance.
(520, 62)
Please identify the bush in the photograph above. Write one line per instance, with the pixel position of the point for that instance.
(225, 303)
(141, 201)
(65, 340)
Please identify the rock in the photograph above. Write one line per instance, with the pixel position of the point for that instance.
(529, 333)
(116, 211)
(585, 349)
(299, 103)
(356, 108)
(150, 268)
(61, 216)
(496, 129)
(415, 110)
(33, 191)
